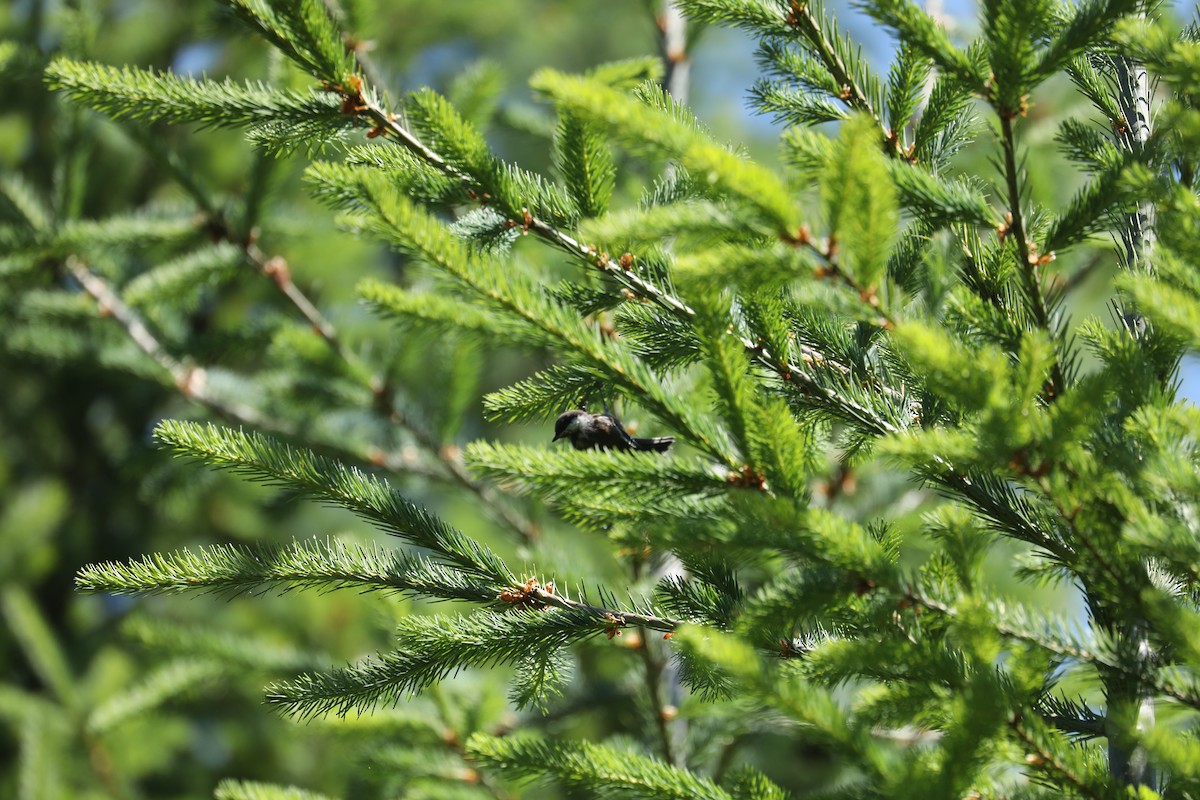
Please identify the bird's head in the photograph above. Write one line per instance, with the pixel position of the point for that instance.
(568, 423)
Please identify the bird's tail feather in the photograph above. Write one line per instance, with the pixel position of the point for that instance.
(660, 444)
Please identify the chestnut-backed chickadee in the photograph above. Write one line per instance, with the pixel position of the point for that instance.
(604, 432)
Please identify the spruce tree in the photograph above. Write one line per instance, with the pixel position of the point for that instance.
(873, 308)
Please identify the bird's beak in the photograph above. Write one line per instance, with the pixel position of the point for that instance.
(557, 436)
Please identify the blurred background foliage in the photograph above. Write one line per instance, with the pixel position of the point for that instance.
(102, 697)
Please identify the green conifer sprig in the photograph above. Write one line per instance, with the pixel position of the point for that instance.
(946, 123)
(514, 191)
(171, 680)
(700, 220)
(914, 26)
(1092, 210)
(1083, 27)
(487, 229)
(281, 138)
(585, 162)
(319, 564)
(546, 394)
(853, 84)
(639, 126)
(714, 600)
(237, 651)
(267, 460)
(410, 175)
(601, 514)
(790, 106)
(938, 202)
(165, 227)
(132, 93)
(786, 691)
(537, 319)
(1092, 74)
(1055, 762)
(305, 31)
(476, 92)
(419, 309)
(666, 343)
(906, 82)
(428, 649)
(590, 767)
(32, 632)
(809, 74)
(582, 475)
(181, 281)
(229, 789)
(752, 264)
(21, 204)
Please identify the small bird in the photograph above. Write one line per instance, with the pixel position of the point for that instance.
(604, 432)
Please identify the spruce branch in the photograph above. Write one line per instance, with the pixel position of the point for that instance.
(537, 319)
(919, 29)
(276, 269)
(191, 382)
(1076, 719)
(188, 379)
(591, 767)
(623, 269)
(1030, 262)
(31, 631)
(802, 19)
(537, 595)
(173, 679)
(274, 462)
(306, 32)
(568, 474)
(1014, 623)
(314, 564)
(259, 653)
(427, 650)
(132, 93)
(229, 789)
(356, 48)
(1047, 758)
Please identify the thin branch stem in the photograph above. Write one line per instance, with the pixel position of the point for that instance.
(619, 619)
(672, 46)
(801, 19)
(1030, 264)
(1048, 758)
(453, 741)
(1128, 762)
(725, 759)
(1063, 650)
(189, 379)
(653, 667)
(451, 458)
(276, 268)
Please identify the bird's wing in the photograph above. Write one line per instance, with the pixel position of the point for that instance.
(626, 441)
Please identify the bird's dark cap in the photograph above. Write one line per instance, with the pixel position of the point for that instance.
(564, 419)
